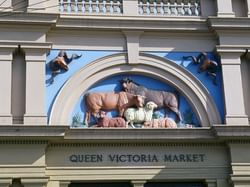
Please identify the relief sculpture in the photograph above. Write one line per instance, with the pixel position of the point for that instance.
(60, 64)
(131, 107)
(162, 99)
(110, 101)
(140, 115)
(104, 121)
(205, 64)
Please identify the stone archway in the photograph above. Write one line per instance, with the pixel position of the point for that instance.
(148, 65)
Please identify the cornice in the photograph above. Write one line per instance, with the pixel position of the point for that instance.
(64, 134)
(25, 45)
(229, 24)
(34, 131)
(139, 135)
(232, 132)
(132, 23)
(23, 18)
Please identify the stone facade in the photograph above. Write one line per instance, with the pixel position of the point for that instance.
(39, 147)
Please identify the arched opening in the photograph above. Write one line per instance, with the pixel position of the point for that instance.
(148, 65)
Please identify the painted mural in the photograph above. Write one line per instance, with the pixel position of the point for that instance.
(129, 100)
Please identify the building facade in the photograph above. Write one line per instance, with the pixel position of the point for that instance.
(191, 56)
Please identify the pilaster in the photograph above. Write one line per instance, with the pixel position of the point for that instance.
(233, 90)
(225, 8)
(53, 184)
(130, 8)
(211, 183)
(36, 6)
(64, 183)
(5, 182)
(223, 183)
(240, 163)
(138, 183)
(5, 85)
(42, 182)
(35, 87)
(133, 42)
(52, 6)
(248, 7)
(6, 6)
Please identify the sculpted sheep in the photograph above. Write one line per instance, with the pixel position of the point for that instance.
(140, 115)
(105, 121)
(160, 123)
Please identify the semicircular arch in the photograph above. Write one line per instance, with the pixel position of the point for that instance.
(148, 65)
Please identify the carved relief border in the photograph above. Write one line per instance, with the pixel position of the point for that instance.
(149, 65)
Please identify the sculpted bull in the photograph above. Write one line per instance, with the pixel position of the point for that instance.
(110, 101)
(139, 115)
(162, 99)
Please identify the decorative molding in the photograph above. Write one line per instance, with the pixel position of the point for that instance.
(22, 131)
(34, 46)
(233, 131)
(150, 65)
(23, 141)
(31, 19)
(139, 135)
(132, 23)
(138, 144)
(229, 24)
(218, 135)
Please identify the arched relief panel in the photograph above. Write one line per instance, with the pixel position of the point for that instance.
(149, 65)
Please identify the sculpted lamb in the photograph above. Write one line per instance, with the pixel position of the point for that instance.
(140, 115)
(160, 123)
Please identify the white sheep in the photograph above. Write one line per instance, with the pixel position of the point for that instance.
(139, 115)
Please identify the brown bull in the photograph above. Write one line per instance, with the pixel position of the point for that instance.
(162, 99)
(110, 101)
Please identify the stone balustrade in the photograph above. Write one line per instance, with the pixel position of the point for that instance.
(166, 8)
(169, 7)
(145, 7)
(91, 6)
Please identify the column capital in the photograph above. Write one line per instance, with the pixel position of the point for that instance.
(230, 55)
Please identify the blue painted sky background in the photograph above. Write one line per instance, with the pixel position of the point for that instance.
(112, 83)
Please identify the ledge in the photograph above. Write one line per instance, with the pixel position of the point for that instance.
(132, 23)
(25, 45)
(24, 18)
(23, 131)
(230, 24)
(232, 131)
(217, 133)
(137, 135)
